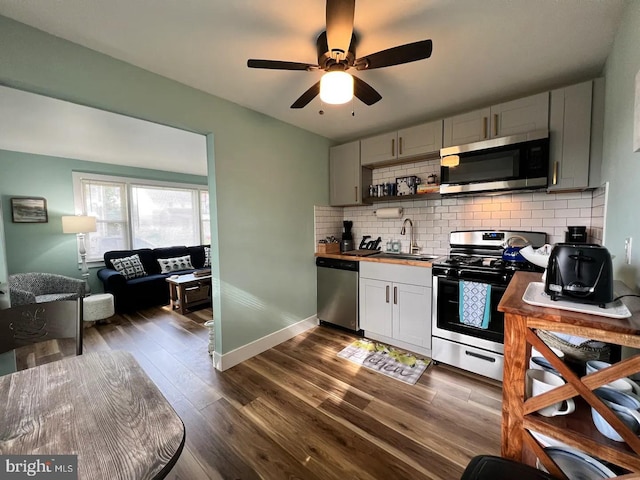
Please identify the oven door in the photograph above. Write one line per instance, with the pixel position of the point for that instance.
(446, 316)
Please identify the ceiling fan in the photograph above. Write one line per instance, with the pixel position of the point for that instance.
(337, 54)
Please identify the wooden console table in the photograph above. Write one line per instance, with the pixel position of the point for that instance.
(576, 430)
(188, 291)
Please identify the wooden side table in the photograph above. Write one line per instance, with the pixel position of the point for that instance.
(188, 291)
(576, 430)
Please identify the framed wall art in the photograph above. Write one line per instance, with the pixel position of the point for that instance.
(29, 210)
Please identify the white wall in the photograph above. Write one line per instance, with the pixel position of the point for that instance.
(436, 217)
(33, 123)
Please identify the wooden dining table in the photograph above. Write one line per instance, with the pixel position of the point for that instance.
(99, 406)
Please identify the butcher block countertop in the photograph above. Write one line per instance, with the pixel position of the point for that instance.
(372, 258)
(512, 303)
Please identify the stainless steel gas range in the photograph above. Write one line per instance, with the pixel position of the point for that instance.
(468, 330)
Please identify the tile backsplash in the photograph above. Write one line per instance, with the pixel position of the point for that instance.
(434, 218)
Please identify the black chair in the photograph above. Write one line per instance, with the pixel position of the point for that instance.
(39, 322)
(489, 467)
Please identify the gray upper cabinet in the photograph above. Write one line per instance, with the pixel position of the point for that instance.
(379, 149)
(518, 116)
(413, 142)
(575, 127)
(346, 177)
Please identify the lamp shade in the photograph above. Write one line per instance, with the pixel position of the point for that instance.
(78, 224)
(336, 87)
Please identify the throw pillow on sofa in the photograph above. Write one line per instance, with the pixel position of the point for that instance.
(207, 256)
(168, 265)
(129, 267)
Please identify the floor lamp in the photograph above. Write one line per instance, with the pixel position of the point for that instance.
(80, 225)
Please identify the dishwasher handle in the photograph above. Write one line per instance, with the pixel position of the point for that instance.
(338, 264)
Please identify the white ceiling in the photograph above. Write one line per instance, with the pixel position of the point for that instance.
(484, 51)
(46, 126)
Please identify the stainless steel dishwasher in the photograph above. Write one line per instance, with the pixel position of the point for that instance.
(338, 292)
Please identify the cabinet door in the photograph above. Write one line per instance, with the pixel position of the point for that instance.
(466, 128)
(570, 137)
(376, 306)
(412, 314)
(380, 148)
(520, 116)
(345, 174)
(420, 140)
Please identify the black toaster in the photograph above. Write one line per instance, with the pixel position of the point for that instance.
(581, 273)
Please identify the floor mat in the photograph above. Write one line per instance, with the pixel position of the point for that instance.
(389, 361)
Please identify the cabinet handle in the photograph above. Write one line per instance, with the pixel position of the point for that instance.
(400, 145)
(395, 295)
(387, 293)
(484, 127)
(481, 357)
(495, 124)
(393, 147)
(555, 172)
(356, 187)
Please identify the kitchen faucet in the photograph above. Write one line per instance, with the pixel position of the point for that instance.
(413, 246)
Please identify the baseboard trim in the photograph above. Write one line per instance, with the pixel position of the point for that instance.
(239, 355)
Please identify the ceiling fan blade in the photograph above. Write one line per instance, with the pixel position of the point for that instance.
(307, 96)
(365, 92)
(340, 24)
(280, 65)
(396, 55)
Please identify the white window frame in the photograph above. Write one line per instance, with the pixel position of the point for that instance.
(130, 182)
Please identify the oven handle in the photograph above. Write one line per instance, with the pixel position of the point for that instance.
(481, 357)
(472, 275)
(498, 281)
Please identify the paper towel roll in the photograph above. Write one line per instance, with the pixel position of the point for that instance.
(395, 212)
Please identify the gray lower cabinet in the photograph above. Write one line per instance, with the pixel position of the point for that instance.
(575, 136)
(395, 305)
(346, 176)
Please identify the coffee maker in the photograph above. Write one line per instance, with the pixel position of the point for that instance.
(347, 238)
(576, 235)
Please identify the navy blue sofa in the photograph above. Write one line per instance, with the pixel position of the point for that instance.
(151, 289)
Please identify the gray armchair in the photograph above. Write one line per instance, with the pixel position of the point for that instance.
(36, 287)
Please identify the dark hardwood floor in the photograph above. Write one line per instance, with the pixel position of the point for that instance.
(298, 411)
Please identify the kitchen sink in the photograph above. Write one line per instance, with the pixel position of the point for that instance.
(406, 256)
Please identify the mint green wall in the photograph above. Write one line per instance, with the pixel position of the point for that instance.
(42, 247)
(621, 165)
(3, 251)
(268, 174)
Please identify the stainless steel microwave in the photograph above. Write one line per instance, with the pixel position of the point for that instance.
(506, 163)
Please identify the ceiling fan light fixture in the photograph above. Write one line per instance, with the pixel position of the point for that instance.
(450, 161)
(336, 87)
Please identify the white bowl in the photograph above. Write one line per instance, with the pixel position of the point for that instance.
(538, 257)
(622, 384)
(623, 405)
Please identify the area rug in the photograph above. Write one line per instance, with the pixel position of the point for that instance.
(387, 360)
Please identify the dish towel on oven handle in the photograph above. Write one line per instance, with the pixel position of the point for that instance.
(475, 303)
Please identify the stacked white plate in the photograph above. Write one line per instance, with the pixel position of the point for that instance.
(577, 465)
